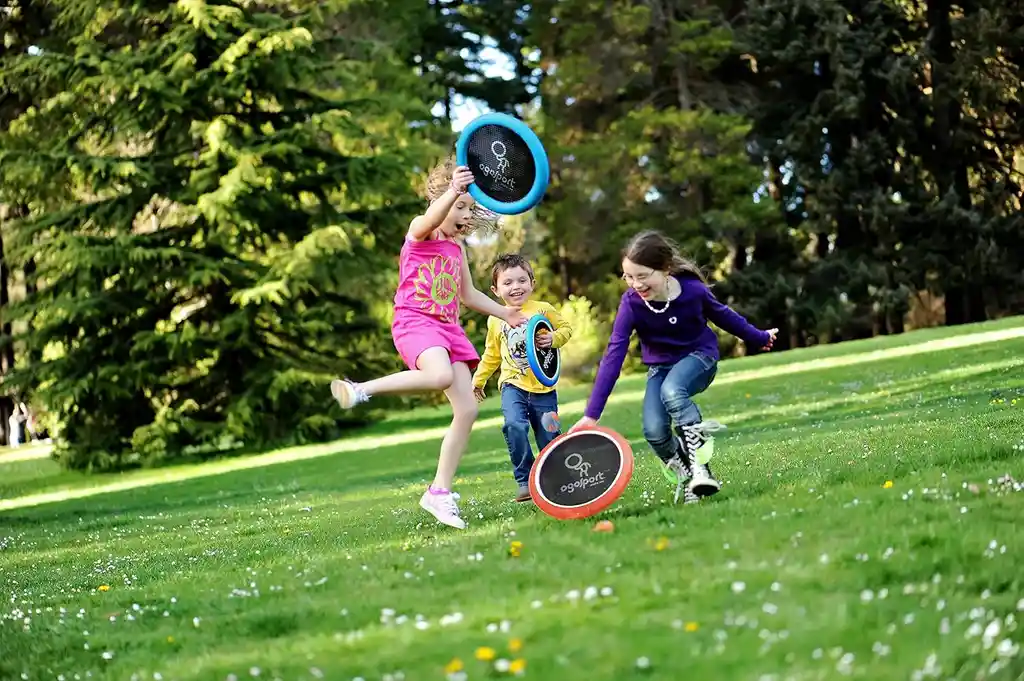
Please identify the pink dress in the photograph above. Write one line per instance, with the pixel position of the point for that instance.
(427, 302)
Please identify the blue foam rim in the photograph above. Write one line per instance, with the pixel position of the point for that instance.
(540, 161)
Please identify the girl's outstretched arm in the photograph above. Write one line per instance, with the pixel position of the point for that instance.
(733, 322)
(424, 225)
(611, 363)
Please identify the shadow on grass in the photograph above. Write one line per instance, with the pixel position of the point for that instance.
(282, 483)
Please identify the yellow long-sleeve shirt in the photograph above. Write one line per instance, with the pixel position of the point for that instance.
(506, 347)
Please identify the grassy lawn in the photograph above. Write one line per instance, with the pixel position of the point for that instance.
(864, 531)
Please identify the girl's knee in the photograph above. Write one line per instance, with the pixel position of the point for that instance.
(656, 431)
(439, 377)
(466, 410)
(672, 393)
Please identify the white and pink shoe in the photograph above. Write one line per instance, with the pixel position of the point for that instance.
(440, 503)
(347, 393)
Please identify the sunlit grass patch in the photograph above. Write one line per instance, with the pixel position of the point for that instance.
(869, 528)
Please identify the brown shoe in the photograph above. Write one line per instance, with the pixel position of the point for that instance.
(523, 494)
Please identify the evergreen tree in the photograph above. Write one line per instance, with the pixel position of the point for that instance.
(894, 125)
(454, 37)
(840, 111)
(643, 115)
(215, 194)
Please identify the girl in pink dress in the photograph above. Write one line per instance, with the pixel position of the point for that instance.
(433, 278)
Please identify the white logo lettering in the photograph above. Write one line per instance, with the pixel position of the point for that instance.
(499, 150)
(576, 463)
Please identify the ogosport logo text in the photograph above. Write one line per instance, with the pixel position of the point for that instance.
(499, 150)
(576, 463)
(548, 357)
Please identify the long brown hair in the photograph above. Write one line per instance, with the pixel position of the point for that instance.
(653, 249)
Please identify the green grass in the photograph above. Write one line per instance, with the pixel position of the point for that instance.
(317, 563)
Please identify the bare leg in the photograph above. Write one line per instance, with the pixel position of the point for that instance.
(433, 372)
(464, 411)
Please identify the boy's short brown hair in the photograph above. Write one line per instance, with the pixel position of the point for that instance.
(508, 261)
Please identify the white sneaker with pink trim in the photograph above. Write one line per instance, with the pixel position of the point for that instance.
(441, 504)
(347, 393)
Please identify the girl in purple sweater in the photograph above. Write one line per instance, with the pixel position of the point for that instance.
(668, 304)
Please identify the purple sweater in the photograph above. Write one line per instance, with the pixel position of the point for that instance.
(667, 337)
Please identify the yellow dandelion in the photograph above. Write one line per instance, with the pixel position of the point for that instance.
(692, 627)
(661, 544)
(517, 666)
(515, 645)
(515, 548)
(103, 587)
(888, 484)
(485, 654)
(453, 667)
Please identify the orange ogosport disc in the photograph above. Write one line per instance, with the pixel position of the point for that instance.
(580, 474)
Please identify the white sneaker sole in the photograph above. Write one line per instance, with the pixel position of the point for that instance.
(704, 487)
(457, 523)
(342, 393)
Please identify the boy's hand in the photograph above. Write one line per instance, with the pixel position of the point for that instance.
(584, 422)
(544, 339)
(772, 333)
(513, 317)
(461, 179)
(478, 393)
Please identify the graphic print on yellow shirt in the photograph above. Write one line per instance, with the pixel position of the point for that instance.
(513, 347)
(506, 347)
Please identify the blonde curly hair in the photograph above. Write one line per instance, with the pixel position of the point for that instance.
(438, 181)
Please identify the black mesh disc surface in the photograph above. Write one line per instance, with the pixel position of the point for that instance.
(579, 469)
(546, 357)
(501, 163)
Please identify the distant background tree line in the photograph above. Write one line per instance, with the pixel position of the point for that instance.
(202, 201)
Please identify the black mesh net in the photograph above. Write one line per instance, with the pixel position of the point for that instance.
(546, 357)
(501, 162)
(579, 469)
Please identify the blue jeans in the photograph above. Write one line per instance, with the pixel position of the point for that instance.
(669, 398)
(523, 410)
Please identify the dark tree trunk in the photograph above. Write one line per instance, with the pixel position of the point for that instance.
(7, 354)
(947, 162)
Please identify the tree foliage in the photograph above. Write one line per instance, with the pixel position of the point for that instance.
(206, 186)
(203, 201)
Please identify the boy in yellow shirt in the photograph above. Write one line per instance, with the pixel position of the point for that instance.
(525, 401)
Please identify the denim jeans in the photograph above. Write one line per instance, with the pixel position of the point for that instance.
(523, 410)
(669, 398)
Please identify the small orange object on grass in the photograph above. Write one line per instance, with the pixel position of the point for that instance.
(604, 526)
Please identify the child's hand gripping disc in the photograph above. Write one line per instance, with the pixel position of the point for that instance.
(545, 363)
(508, 162)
